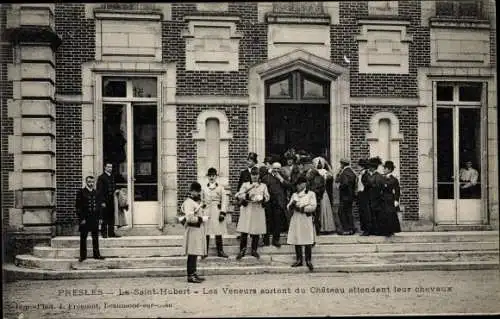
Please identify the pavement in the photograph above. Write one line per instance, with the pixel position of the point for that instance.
(299, 294)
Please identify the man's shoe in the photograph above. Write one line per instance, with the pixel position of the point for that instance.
(365, 233)
(255, 254)
(222, 254)
(310, 265)
(241, 254)
(298, 263)
(199, 277)
(115, 236)
(99, 257)
(276, 244)
(81, 259)
(204, 257)
(104, 235)
(194, 280)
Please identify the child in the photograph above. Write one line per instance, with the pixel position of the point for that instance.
(252, 197)
(301, 231)
(216, 206)
(194, 235)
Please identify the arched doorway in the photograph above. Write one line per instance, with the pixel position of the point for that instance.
(297, 114)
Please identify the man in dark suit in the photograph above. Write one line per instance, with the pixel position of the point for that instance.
(88, 214)
(245, 175)
(346, 180)
(105, 199)
(277, 186)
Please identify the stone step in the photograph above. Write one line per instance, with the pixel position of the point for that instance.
(158, 251)
(12, 272)
(229, 240)
(29, 261)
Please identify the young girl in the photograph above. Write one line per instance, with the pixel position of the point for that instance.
(216, 206)
(301, 231)
(252, 196)
(194, 235)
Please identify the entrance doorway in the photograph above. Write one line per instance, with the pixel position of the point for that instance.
(130, 143)
(459, 162)
(297, 115)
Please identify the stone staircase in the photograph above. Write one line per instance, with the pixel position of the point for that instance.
(137, 256)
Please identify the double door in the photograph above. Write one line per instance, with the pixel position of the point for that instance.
(130, 143)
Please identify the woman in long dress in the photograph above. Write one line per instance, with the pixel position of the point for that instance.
(388, 221)
(326, 213)
(252, 197)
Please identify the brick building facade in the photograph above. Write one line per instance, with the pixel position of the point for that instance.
(395, 77)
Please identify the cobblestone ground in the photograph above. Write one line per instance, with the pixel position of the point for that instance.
(430, 292)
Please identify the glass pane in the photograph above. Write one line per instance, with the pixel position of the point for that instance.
(468, 8)
(144, 87)
(444, 8)
(115, 141)
(470, 92)
(470, 152)
(312, 89)
(280, 89)
(114, 87)
(444, 92)
(445, 153)
(145, 153)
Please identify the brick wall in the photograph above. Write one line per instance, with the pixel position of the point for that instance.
(186, 146)
(252, 50)
(68, 160)
(343, 42)
(408, 149)
(7, 128)
(78, 46)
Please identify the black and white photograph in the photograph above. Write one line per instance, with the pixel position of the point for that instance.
(249, 159)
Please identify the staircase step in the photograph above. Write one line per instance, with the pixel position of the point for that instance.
(229, 240)
(60, 264)
(157, 251)
(12, 272)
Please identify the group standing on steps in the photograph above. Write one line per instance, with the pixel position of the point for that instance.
(293, 199)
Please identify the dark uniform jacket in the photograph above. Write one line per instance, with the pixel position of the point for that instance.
(87, 209)
(277, 190)
(374, 184)
(105, 190)
(347, 184)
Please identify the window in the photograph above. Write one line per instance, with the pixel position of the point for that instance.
(129, 87)
(297, 87)
(462, 92)
(459, 9)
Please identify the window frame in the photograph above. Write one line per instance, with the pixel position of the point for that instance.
(456, 10)
(296, 82)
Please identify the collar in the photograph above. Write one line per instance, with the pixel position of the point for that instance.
(89, 189)
(109, 174)
(212, 185)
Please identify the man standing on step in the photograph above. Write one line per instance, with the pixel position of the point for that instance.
(346, 180)
(88, 215)
(105, 198)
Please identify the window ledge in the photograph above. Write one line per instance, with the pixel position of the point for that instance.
(275, 18)
(465, 23)
(111, 14)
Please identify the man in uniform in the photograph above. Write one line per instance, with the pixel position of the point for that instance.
(105, 199)
(346, 179)
(245, 174)
(88, 214)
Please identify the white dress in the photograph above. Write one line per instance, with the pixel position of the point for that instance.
(326, 214)
(253, 217)
(213, 196)
(195, 242)
(301, 230)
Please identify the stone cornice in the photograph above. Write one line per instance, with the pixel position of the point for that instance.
(32, 34)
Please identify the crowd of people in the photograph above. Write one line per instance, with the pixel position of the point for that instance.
(295, 199)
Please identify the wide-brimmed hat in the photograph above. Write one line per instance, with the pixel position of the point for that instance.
(389, 165)
(301, 179)
(253, 157)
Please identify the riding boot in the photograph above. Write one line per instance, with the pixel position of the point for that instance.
(208, 245)
(298, 256)
(220, 250)
(255, 244)
(308, 251)
(243, 246)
